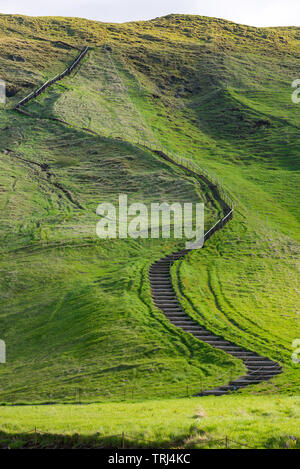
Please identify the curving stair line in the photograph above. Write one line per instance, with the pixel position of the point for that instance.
(258, 368)
(164, 297)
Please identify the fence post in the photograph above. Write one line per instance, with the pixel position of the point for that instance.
(35, 436)
(123, 440)
(226, 441)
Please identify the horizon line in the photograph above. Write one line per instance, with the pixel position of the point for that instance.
(150, 19)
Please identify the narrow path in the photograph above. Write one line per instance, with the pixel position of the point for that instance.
(258, 368)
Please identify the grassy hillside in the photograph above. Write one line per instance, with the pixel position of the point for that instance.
(216, 92)
(77, 315)
(270, 422)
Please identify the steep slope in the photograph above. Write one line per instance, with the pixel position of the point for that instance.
(61, 316)
(204, 99)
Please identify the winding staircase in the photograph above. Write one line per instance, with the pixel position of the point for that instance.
(258, 368)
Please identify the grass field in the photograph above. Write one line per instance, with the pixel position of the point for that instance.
(77, 313)
(251, 422)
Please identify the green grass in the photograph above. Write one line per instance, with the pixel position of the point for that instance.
(77, 323)
(253, 421)
(62, 286)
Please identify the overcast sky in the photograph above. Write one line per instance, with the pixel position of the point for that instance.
(252, 12)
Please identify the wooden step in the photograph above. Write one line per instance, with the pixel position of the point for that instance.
(245, 382)
(213, 392)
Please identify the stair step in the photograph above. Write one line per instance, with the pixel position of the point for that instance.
(256, 361)
(246, 355)
(170, 311)
(164, 299)
(165, 306)
(183, 326)
(165, 282)
(203, 332)
(154, 278)
(159, 276)
(185, 321)
(215, 392)
(160, 273)
(261, 376)
(274, 368)
(213, 342)
(168, 296)
(156, 274)
(165, 261)
(169, 293)
(162, 285)
(176, 314)
(162, 292)
(230, 347)
(190, 327)
(173, 319)
(228, 388)
(179, 315)
(205, 337)
(165, 302)
(164, 269)
(245, 382)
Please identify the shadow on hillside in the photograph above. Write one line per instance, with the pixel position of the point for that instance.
(41, 440)
(196, 438)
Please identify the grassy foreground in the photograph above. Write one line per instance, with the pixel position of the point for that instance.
(252, 421)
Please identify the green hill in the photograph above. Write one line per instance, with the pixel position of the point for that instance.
(77, 314)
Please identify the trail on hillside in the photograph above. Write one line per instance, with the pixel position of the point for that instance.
(164, 295)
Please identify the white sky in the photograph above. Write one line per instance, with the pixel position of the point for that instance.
(251, 12)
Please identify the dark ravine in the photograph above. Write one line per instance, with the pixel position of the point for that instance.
(258, 368)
